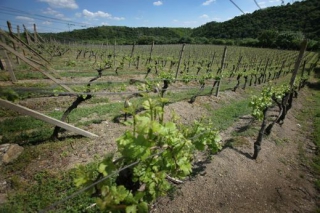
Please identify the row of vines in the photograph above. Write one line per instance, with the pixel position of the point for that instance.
(155, 152)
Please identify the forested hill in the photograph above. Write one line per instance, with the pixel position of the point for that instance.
(280, 27)
(300, 16)
(126, 35)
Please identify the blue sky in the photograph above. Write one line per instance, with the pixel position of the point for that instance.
(65, 15)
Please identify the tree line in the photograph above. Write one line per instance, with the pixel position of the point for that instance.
(274, 27)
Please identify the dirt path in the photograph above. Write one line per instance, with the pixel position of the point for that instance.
(277, 182)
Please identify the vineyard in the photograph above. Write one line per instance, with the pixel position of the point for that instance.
(118, 127)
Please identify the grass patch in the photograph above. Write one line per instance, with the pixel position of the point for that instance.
(35, 190)
(25, 129)
(227, 115)
(312, 112)
(47, 189)
(29, 75)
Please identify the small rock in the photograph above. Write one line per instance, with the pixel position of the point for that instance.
(9, 152)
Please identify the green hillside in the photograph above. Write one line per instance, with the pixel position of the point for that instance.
(275, 27)
(126, 35)
(299, 17)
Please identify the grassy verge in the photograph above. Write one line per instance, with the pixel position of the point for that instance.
(314, 114)
(311, 112)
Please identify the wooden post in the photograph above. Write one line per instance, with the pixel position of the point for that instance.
(27, 35)
(35, 33)
(25, 111)
(265, 71)
(212, 61)
(18, 31)
(14, 38)
(9, 27)
(8, 62)
(13, 43)
(180, 57)
(221, 69)
(298, 62)
(296, 68)
(150, 55)
(9, 66)
(8, 48)
(132, 50)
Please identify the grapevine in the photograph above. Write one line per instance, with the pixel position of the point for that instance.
(135, 187)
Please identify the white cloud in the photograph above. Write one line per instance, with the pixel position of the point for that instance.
(100, 14)
(71, 4)
(208, 2)
(46, 23)
(24, 18)
(53, 13)
(50, 11)
(104, 23)
(157, 3)
(204, 16)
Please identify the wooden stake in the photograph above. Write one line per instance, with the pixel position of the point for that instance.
(34, 66)
(180, 57)
(8, 62)
(221, 69)
(27, 35)
(298, 62)
(35, 33)
(24, 44)
(13, 43)
(26, 111)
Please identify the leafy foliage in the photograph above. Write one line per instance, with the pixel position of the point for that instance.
(265, 99)
(158, 149)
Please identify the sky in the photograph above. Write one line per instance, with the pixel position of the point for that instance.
(67, 15)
